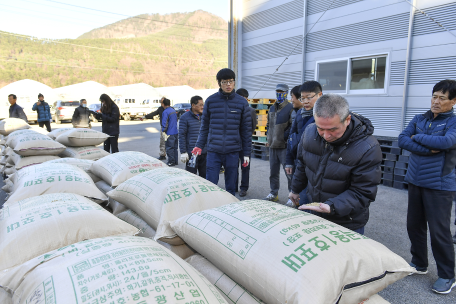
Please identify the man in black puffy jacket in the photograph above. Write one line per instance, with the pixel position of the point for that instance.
(189, 127)
(81, 116)
(339, 160)
(226, 128)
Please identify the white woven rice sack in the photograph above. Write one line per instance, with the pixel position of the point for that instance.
(131, 217)
(115, 206)
(58, 178)
(375, 299)
(83, 164)
(9, 125)
(25, 161)
(9, 171)
(5, 297)
(32, 144)
(166, 194)
(56, 132)
(81, 137)
(9, 186)
(109, 270)
(90, 152)
(34, 226)
(229, 289)
(17, 133)
(119, 167)
(283, 255)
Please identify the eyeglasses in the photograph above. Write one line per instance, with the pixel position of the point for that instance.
(307, 98)
(227, 82)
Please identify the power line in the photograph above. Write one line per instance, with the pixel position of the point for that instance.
(105, 49)
(158, 34)
(427, 15)
(92, 9)
(303, 37)
(102, 69)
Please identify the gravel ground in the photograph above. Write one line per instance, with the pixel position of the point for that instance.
(387, 223)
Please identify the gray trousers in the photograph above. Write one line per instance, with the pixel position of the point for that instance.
(277, 159)
(162, 143)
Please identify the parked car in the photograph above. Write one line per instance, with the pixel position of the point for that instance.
(63, 110)
(181, 108)
(95, 108)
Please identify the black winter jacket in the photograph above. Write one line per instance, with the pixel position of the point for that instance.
(254, 119)
(16, 111)
(279, 124)
(158, 112)
(226, 126)
(110, 121)
(81, 117)
(344, 173)
(189, 127)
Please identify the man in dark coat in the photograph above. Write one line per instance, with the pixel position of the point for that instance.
(339, 161)
(189, 127)
(15, 111)
(245, 171)
(431, 137)
(81, 116)
(226, 128)
(278, 128)
(44, 112)
(159, 112)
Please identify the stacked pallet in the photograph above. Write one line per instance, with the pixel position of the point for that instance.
(394, 163)
(259, 139)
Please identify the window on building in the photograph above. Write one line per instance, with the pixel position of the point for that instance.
(333, 75)
(356, 75)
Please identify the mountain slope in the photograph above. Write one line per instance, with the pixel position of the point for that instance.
(160, 54)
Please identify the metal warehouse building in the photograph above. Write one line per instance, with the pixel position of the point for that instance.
(364, 50)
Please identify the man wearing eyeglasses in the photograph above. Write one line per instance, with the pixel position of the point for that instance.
(308, 93)
(226, 128)
(431, 137)
(278, 128)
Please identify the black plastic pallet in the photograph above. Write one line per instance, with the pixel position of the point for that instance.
(387, 182)
(406, 153)
(403, 158)
(400, 185)
(399, 178)
(388, 176)
(260, 156)
(401, 165)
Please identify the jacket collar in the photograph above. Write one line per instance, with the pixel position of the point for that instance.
(194, 115)
(281, 105)
(429, 115)
(226, 96)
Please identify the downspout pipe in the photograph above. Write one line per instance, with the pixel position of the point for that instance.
(407, 66)
(304, 27)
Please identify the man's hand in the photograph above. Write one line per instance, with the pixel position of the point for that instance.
(289, 171)
(323, 208)
(294, 198)
(412, 136)
(435, 151)
(197, 151)
(184, 158)
(38, 103)
(267, 144)
(246, 162)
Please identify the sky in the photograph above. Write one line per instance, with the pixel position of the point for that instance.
(55, 20)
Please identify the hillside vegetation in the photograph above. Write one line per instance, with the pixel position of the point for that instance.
(157, 53)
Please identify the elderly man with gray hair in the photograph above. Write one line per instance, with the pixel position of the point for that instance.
(339, 161)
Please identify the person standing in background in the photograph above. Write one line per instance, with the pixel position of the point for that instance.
(110, 122)
(245, 171)
(189, 127)
(44, 112)
(159, 112)
(15, 111)
(169, 128)
(307, 94)
(227, 129)
(81, 116)
(278, 128)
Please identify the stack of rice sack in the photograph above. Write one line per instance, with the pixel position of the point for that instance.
(81, 143)
(8, 126)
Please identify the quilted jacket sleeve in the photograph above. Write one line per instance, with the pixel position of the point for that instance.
(246, 130)
(406, 142)
(204, 130)
(363, 187)
(300, 180)
(183, 127)
(438, 142)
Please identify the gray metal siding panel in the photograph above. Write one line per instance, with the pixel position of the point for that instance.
(272, 49)
(254, 83)
(422, 25)
(309, 75)
(432, 70)
(381, 118)
(397, 73)
(318, 6)
(412, 112)
(276, 15)
(375, 30)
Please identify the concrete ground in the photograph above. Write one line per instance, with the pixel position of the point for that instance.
(387, 223)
